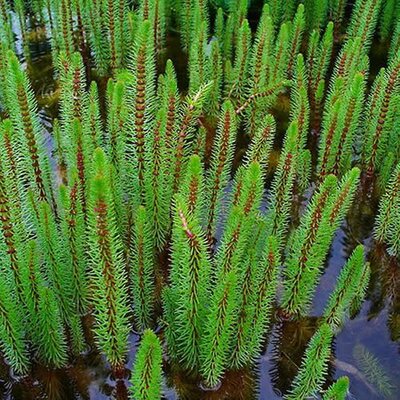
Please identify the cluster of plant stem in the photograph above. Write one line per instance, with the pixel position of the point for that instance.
(387, 229)
(138, 212)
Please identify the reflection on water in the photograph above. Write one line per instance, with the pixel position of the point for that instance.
(376, 327)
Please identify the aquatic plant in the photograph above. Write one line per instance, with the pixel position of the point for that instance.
(13, 341)
(387, 222)
(158, 188)
(64, 24)
(312, 239)
(189, 289)
(373, 370)
(348, 284)
(33, 165)
(216, 340)
(50, 339)
(255, 308)
(143, 271)
(221, 163)
(319, 53)
(382, 108)
(141, 97)
(203, 205)
(339, 127)
(314, 366)
(278, 213)
(6, 32)
(109, 295)
(338, 390)
(96, 38)
(146, 378)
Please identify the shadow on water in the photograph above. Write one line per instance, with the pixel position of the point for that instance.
(376, 327)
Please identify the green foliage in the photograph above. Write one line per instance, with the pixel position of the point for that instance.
(6, 33)
(261, 50)
(386, 225)
(189, 288)
(312, 239)
(339, 126)
(363, 21)
(73, 228)
(12, 330)
(141, 98)
(395, 43)
(27, 142)
(373, 371)
(142, 273)
(304, 248)
(221, 163)
(10, 213)
(98, 41)
(33, 281)
(107, 268)
(189, 12)
(92, 119)
(359, 295)
(300, 106)
(57, 271)
(116, 142)
(197, 54)
(279, 58)
(192, 188)
(297, 30)
(64, 39)
(240, 220)
(158, 188)
(215, 75)
(316, 13)
(146, 378)
(159, 193)
(387, 18)
(338, 390)
(258, 288)
(183, 137)
(337, 10)
(313, 367)
(219, 329)
(382, 107)
(318, 59)
(50, 336)
(113, 17)
(278, 213)
(261, 144)
(238, 75)
(348, 284)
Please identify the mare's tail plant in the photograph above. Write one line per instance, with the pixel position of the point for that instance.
(51, 340)
(13, 342)
(312, 239)
(373, 371)
(382, 107)
(189, 289)
(221, 163)
(348, 284)
(314, 366)
(142, 271)
(28, 141)
(147, 374)
(387, 226)
(107, 269)
(338, 390)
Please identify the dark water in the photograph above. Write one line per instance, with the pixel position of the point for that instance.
(376, 327)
